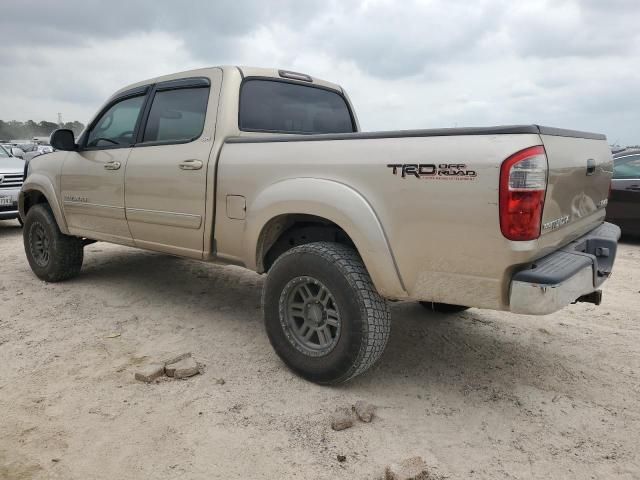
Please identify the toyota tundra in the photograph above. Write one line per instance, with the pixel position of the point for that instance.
(268, 169)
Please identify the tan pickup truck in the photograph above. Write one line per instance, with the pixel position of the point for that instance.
(267, 169)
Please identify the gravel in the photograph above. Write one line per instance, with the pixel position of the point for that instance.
(478, 395)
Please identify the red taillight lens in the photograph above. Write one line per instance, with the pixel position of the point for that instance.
(523, 183)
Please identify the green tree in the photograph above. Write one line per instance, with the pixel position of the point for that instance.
(15, 130)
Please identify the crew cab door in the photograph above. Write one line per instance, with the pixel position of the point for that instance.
(166, 177)
(92, 178)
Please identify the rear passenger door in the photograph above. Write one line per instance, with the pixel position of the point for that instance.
(166, 177)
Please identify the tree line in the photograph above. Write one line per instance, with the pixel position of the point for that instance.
(15, 130)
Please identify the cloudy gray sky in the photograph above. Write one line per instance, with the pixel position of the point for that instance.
(405, 64)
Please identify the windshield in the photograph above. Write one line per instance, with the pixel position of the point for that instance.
(3, 153)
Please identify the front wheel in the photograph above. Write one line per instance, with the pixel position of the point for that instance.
(52, 255)
(323, 315)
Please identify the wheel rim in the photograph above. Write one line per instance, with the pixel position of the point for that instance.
(40, 245)
(310, 316)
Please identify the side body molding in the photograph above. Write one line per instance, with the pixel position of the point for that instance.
(338, 203)
(42, 183)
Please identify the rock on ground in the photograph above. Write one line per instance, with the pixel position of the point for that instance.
(176, 358)
(187, 367)
(364, 410)
(414, 468)
(342, 419)
(150, 372)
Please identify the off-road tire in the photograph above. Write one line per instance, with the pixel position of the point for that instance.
(443, 307)
(65, 256)
(365, 321)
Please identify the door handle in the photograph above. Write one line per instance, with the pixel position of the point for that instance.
(634, 188)
(112, 165)
(191, 165)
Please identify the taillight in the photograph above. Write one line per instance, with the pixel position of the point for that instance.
(523, 183)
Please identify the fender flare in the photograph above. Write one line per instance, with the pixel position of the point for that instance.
(40, 183)
(338, 203)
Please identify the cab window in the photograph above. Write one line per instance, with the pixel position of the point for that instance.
(117, 125)
(627, 167)
(177, 115)
(283, 107)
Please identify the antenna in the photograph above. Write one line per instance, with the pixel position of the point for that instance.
(60, 124)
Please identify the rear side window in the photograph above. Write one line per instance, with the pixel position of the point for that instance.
(281, 107)
(627, 167)
(177, 115)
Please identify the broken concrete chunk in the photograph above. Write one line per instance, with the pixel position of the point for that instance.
(414, 468)
(342, 419)
(364, 410)
(176, 358)
(187, 367)
(150, 372)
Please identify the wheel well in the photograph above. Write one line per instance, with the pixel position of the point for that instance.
(32, 198)
(284, 232)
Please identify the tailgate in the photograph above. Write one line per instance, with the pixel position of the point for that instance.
(580, 170)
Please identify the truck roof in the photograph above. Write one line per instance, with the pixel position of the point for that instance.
(244, 71)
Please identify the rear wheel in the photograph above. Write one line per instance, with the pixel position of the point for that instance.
(52, 255)
(323, 316)
(443, 307)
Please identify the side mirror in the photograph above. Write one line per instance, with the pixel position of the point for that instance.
(63, 139)
(17, 152)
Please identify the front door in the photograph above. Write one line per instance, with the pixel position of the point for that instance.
(166, 179)
(92, 180)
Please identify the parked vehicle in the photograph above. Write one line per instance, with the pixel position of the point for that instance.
(624, 202)
(37, 151)
(45, 149)
(266, 169)
(13, 150)
(11, 176)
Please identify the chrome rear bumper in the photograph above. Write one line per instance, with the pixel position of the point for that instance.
(552, 282)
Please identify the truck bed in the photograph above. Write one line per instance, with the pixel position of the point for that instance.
(443, 231)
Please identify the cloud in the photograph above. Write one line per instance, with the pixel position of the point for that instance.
(415, 64)
(39, 83)
(563, 28)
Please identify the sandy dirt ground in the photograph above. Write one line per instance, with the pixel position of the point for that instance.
(478, 395)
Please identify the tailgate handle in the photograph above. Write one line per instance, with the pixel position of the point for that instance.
(591, 166)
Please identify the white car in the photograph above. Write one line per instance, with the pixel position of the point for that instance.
(11, 177)
(13, 150)
(36, 152)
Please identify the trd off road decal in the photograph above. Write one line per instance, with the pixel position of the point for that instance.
(442, 171)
